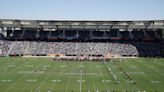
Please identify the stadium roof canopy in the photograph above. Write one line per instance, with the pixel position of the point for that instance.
(81, 24)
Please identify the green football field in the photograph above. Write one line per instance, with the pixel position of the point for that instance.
(44, 75)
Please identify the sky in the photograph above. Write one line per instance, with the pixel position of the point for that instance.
(82, 9)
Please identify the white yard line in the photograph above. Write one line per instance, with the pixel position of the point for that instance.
(44, 80)
(104, 78)
(52, 87)
(93, 83)
(68, 82)
(27, 84)
(33, 78)
(20, 66)
(154, 76)
(81, 75)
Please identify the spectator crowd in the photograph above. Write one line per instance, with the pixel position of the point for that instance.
(77, 48)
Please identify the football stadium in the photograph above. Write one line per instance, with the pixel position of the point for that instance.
(81, 56)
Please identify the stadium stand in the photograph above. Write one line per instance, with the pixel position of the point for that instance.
(71, 38)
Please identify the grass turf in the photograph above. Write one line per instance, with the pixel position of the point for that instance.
(19, 74)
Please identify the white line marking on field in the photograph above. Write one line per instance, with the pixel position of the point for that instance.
(81, 75)
(20, 66)
(52, 87)
(34, 77)
(44, 80)
(6, 80)
(155, 81)
(55, 81)
(67, 84)
(93, 83)
(103, 77)
(99, 66)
